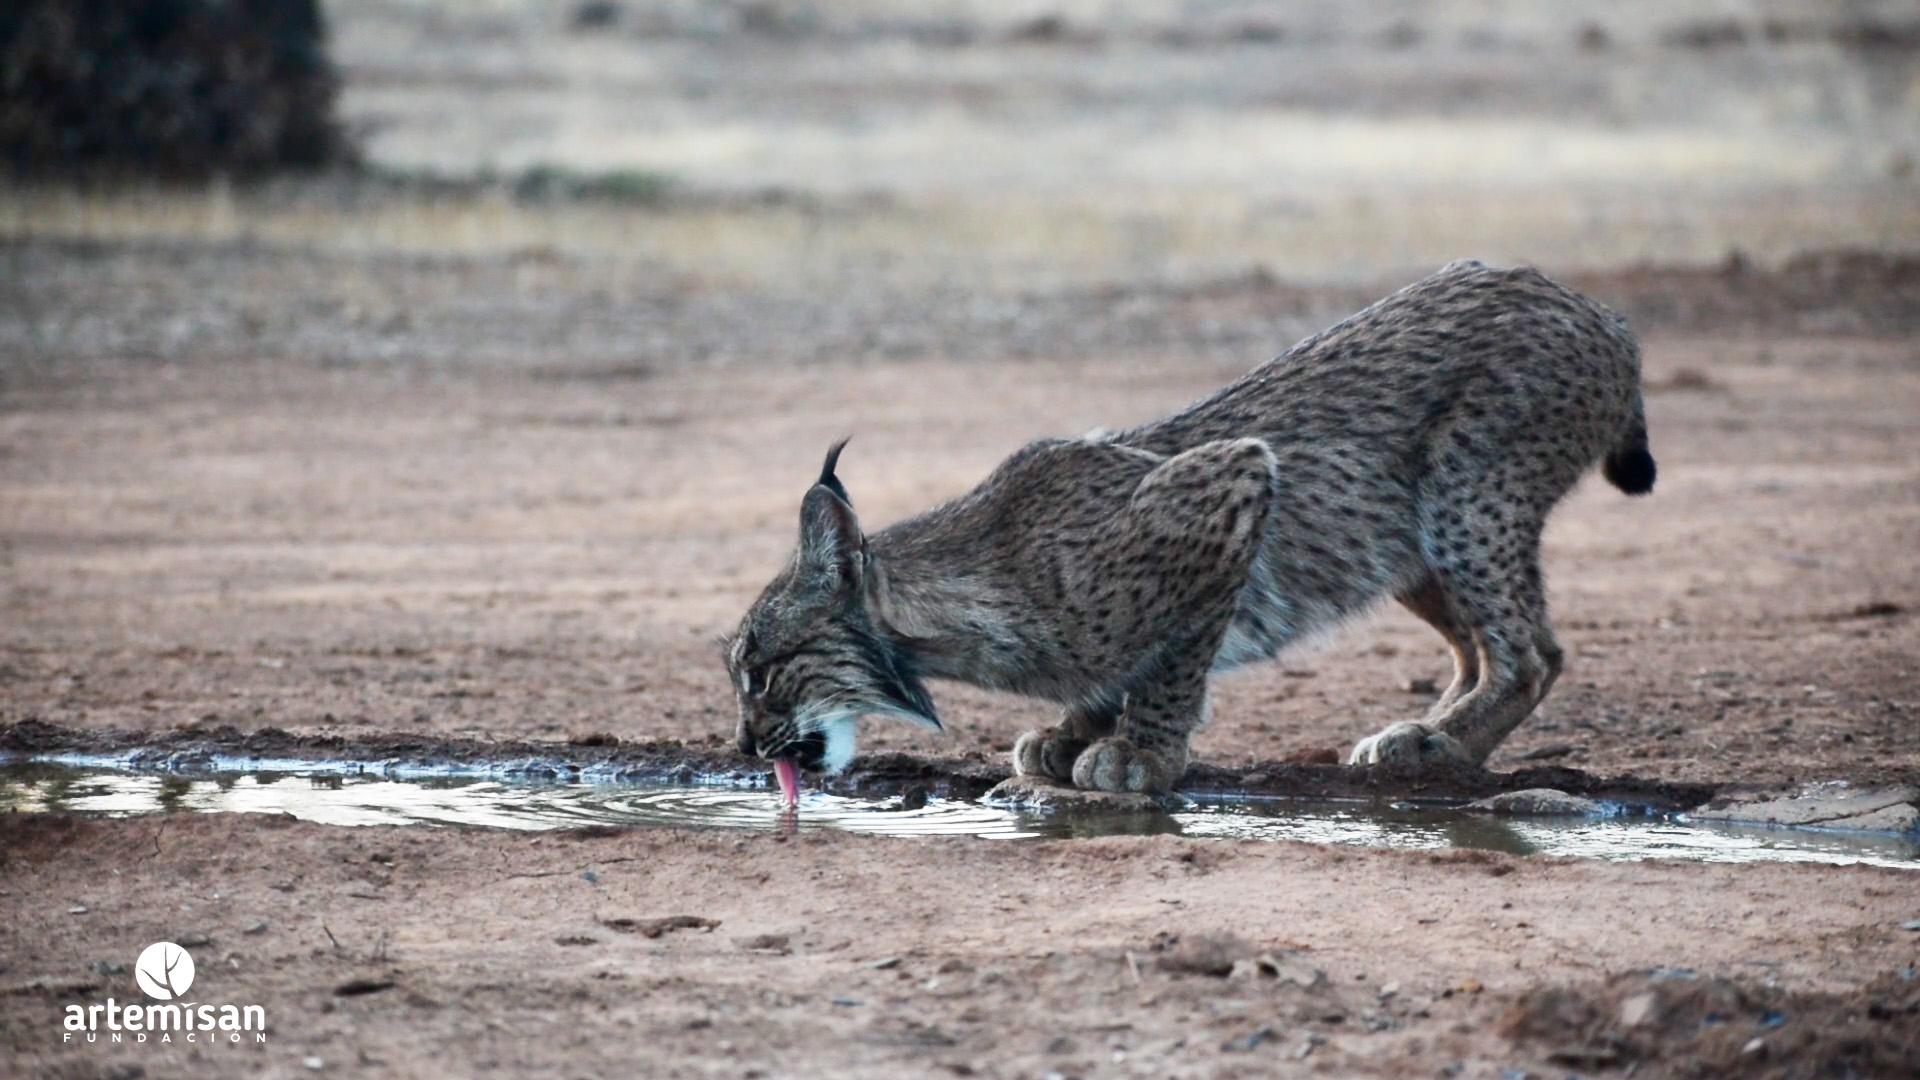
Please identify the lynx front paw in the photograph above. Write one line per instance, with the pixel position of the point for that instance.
(1047, 752)
(1114, 764)
(1409, 743)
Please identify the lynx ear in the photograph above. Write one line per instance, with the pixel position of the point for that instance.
(827, 479)
(830, 538)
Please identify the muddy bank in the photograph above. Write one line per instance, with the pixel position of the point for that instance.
(606, 757)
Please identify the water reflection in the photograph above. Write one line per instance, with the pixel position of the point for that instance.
(331, 798)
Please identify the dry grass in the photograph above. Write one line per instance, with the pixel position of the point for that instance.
(1014, 243)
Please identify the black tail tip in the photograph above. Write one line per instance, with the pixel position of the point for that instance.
(1631, 471)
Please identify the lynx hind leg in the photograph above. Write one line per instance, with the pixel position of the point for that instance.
(1422, 741)
(1432, 604)
(1519, 661)
(1051, 751)
(1173, 571)
(1486, 562)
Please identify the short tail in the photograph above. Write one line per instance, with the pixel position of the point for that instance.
(1629, 466)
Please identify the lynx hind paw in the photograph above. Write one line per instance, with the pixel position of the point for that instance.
(1409, 743)
(1114, 764)
(1047, 752)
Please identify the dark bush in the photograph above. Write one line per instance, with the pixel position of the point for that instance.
(165, 87)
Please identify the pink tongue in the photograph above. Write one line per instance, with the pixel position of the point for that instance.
(789, 774)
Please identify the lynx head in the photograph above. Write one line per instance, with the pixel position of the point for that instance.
(807, 661)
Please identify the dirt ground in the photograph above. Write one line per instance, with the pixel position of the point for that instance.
(335, 546)
(414, 461)
(838, 955)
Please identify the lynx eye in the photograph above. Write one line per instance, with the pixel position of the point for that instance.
(753, 681)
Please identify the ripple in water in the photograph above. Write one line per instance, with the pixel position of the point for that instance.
(332, 798)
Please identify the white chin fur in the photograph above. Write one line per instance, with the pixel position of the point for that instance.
(839, 732)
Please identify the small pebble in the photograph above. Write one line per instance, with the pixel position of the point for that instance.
(884, 963)
(1249, 1041)
(765, 943)
(256, 928)
(194, 941)
(1422, 686)
(1910, 924)
(77, 909)
(314, 1063)
(846, 1002)
(1639, 1009)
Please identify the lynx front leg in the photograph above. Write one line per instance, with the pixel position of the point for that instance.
(1149, 753)
(1171, 579)
(1052, 751)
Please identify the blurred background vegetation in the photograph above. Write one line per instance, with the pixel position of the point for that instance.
(992, 145)
(166, 88)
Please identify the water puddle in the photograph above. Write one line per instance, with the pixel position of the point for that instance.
(349, 794)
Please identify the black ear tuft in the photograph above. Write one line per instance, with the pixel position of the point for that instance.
(827, 479)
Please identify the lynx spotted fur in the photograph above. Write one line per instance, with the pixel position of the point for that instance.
(1413, 450)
